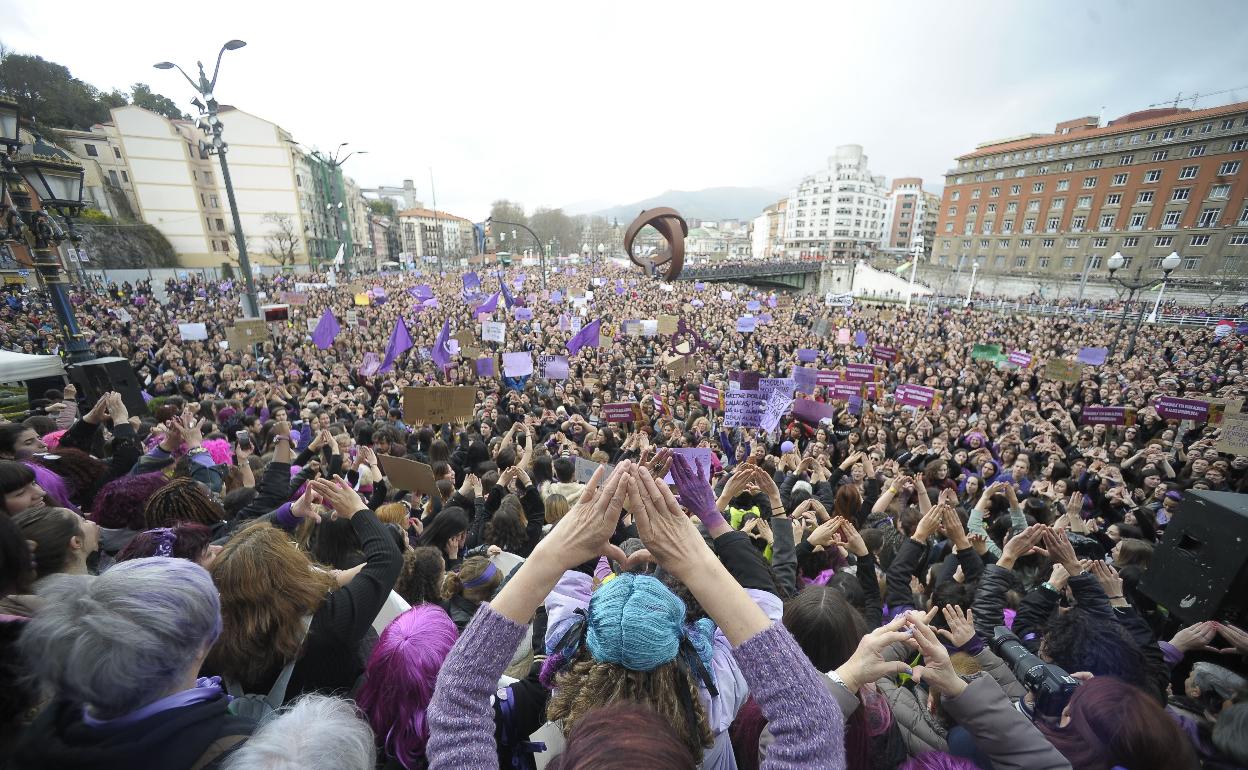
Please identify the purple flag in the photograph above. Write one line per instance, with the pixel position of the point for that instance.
(421, 292)
(556, 296)
(508, 300)
(523, 314)
(441, 356)
(370, 366)
(146, 396)
(489, 306)
(860, 339)
(771, 300)
(472, 283)
(326, 330)
(588, 335)
(806, 355)
(400, 342)
(485, 366)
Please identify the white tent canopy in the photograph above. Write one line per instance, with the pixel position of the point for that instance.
(19, 367)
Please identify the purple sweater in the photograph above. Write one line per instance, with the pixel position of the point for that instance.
(802, 715)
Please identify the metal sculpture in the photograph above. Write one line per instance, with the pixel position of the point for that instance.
(667, 261)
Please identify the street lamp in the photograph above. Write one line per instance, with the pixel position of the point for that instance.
(1168, 266)
(538, 241)
(602, 250)
(55, 178)
(333, 163)
(211, 125)
(971, 289)
(914, 268)
(1136, 284)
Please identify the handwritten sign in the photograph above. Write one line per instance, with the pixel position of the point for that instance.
(1019, 358)
(667, 324)
(1233, 439)
(193, 331)
(1062, 370)
(553, 367)
(746, 324)
(838, 300)
(519, 364)
(584, 470)
(743, 408)
(493, 331)
(438, 404)
(985, 352)
(807, 379)
(408, 474)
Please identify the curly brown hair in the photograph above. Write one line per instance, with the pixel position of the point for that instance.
(588, 684)
(420, 581)
(267, 587)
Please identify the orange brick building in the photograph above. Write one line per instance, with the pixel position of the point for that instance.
(1146, 184)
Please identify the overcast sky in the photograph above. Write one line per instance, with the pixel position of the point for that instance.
(615, 102)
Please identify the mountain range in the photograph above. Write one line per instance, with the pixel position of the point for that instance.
(713, 203)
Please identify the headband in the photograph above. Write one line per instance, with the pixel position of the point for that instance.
(483, 578)
(164, 539)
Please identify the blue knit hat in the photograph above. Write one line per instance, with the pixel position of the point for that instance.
(635, 621)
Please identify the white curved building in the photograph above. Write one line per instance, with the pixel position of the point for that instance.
(837, 212)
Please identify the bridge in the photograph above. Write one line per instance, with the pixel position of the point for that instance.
(794, 274)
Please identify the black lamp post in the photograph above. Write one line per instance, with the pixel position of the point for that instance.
(1136, 284)
(55, 179)
(211, 125)
(540, 251)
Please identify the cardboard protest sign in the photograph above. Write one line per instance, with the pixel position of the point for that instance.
(493, 331)
(822, 327)
(408, 474)
(1175, 408)
(584, 470)
(466, 338)
(1220, 407)
(438, 404)
(743, 408)
(518, 364)
(667, 324)
(1107, 415)
(1019, 358)
(553, 367)
(1233, 439)
(362, 299)
(811, 411)
(246, 332)
(985, 352)
(1062, 370)
(293, 298)
(632, 328)
(678, 366)
(192, 332)
(623, 411)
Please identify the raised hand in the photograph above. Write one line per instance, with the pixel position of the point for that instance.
(1196, 637)
(867, 664)
(669, 535)
(695, 492)
(339, 495)
(936, 672)
(1020, 545)
(586, 530)
(307, 506)
(961, 625)
(1061, 551)
(853, 541)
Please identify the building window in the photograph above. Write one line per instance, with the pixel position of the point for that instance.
(1113, 199)
(1126, 160)
(1094, 163)
(972, 209)
(1084, 202)
(1188, 172)
(1209, 217)
(1004, 243)
(1089, 182)
(1161, 154)
(112, 177)
(220, 224)
(1020, 261)
(1196, 150)
(1243, 216)
(1163, 241)
(975, 194)
(953, 211)
(1100, 243)
(1137, 220)
(213, 201)
(1181, 194)
(1068, 263)
(1130, 241)
(125, 177)
(1168, 134)
(1015, 189)
(1029, 225)
(1042, 263)
(1238, 239)
(1145, 196)
(1171, 219)
(945, 243)
(1007, 227)
(1230, 265)
(1063, 184)
(91, 150)
(1107, 221)
(1025, 243)
(1119, 179)
(994, 192)
(1199, 240)
(1072, 243)
(1033, 205)
(948, 227)
(1042, 170)
(1228, 168)
(1057, 204)
(203, 199)
(1206, 128)
(1152, 176)
(956, 195)
(117, 153)
(1191, 263)
(1053, 225)
(1238, 145)
(991, 209)
(1187, 131)
(1078, 223)
(1020, 173)
(1038, 187)
(984, 243)
(1011, 207)
(1220, 192)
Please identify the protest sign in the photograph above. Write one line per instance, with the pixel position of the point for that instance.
(246, 332)
(860, 339)
(408, 474)
(523, 313)
(1019, 358)
(743, 380)
(914, 395)
(807, 356)
(1175, 408)
(811, 411)
(362, 299)
(826, 377)
(841, 391)
(807, 379)
(1220, 407)
(743, 408)
(632, 328)
(881, 353)
(746, 323)
(438, 404)
(842, 337)
(352, 317)
(709, 395)
(725, 295)
(292, 298)
(649, 328)
(1233, 439)
(678, 366)
(753, 306)
(838, 300)
(623, 411)
(486, 366)
(1062, 370)
(493, 331)
(518, 364)
(465, 338)
(584, 470)
(1093, 356)
(822, 327)
(984, 352)
(193, 331)
(667, 324)
(1107, 415)
(553, 367)
(855, 372)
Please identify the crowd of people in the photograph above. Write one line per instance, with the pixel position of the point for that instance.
(234, 578)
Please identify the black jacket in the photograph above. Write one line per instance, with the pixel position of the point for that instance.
(170, 740)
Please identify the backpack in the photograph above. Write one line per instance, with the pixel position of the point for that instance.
(260, 708)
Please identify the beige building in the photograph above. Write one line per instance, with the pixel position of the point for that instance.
(419, 230)
(106, 182)
(837, 212)
(910, 216)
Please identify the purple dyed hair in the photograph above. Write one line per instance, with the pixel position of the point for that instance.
(937, 760)
(57, 489)
(401, 674)
(119, 503)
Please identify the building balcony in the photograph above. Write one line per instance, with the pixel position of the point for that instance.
(1105, 229)
(1166, 226)
(1134, 228)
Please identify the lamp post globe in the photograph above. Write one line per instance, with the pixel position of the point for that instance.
(1171, 262)
(1116, 262)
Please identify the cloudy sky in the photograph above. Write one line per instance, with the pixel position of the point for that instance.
(553, 103)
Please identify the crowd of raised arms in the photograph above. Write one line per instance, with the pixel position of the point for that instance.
(233, 579)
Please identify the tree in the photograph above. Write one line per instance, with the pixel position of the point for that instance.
(282, 241)
(49, 92)
(143, 97)
(383, 207)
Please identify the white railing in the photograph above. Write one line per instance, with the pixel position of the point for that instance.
(1007, 306)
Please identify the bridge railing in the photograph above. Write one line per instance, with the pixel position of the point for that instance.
(747, 270)
(1007, 306)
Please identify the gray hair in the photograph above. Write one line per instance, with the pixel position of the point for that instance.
(122, 640)
(1230, 733)
(1210, 677)
(317, 731)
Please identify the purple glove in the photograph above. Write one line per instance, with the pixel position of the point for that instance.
(695, 493)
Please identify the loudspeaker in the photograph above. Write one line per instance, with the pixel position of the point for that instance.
(1200, 569)
(96, 377)
(37, 387)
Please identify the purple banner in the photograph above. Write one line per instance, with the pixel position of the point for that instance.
(709, 395)
(881, 353)
(806, 355)
(746, 380)
(619, 412)
(860, 372)
(1107, 415)
(807, 379)
(914, 395)
(1093, 356)
(841, 391)
(1175, 408)
(1019, 358)
(812, 411)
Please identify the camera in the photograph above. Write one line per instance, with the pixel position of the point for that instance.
(1050, 686)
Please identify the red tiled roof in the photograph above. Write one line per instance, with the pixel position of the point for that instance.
(1111, 130)
(430, 214)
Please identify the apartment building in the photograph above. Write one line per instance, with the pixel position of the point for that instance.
(837, 212)
(910, 216)
(426, 234)
(1147, 184)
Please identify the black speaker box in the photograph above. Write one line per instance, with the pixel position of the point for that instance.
(1200, 569)
(96, 377)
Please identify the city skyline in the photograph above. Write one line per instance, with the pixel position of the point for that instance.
(500, 105)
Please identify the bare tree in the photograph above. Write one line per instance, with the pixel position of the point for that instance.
(282, 241)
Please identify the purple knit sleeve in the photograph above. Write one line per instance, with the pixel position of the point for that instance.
(460, 715)
(283, 517)
(1173, 655)
(801, 714)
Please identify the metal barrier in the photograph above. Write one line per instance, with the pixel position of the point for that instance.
(1005, 306)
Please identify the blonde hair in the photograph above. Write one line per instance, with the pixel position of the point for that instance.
(394, 513)
(556, 508)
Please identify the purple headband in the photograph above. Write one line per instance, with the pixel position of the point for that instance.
(164, 539)
(483, 578)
